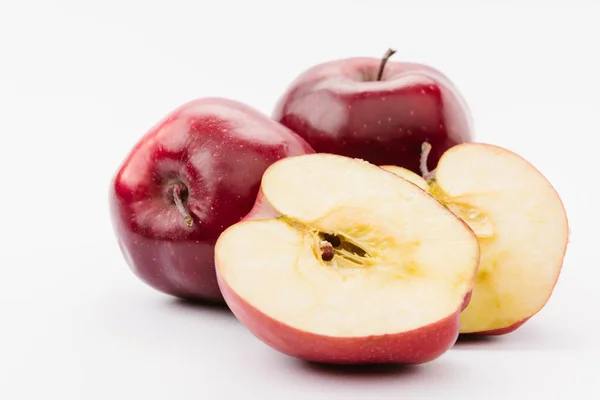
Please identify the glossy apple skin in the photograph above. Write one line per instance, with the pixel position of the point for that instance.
(215, 152)
(409, 348)
(339, 107)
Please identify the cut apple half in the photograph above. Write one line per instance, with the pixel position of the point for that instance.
(521, 225)
(358, 266)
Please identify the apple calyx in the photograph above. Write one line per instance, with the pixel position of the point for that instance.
(177, 193)
(384, 60)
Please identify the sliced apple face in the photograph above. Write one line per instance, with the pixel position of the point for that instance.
(522, 229)
(356, 251)
(476, 221)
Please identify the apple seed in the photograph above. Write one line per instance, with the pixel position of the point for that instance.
(327, 251)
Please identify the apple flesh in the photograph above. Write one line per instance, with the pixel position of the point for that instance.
(343, 262)
(521, 225)
(195, 173)
(342, 107)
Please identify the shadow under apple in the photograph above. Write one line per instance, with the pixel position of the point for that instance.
(200, 305)
(366, 371)
(472, 341)
(533, 336)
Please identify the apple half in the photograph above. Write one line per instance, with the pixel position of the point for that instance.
(343, 262)
(521, 225)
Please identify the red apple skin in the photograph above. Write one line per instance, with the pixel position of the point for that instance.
(339, 107)
(409, 348)
(498, 332)
(214, 151)
(467, 299)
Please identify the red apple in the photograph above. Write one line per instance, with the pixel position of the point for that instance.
(521, 225)
(376, 110)
(343, 262)
(191, 176)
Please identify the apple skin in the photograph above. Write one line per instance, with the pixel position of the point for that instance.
(413, 347)
(498, 332)
(467, 299)
(214, 151)
(339, 107)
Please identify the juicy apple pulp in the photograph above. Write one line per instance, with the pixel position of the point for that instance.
(521, 225)
(376, 110)
(344, 262)
(195, 173)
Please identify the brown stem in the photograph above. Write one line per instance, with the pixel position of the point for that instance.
(384, 60)
(179, 204)
(425, 173)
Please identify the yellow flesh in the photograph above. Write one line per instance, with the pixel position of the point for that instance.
(422, 259)
(521, 225)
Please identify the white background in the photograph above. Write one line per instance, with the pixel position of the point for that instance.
(80, 82)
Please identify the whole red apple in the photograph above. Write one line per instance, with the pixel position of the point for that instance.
(376, 110)
(191, 176)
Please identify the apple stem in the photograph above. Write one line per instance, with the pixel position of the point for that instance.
(179, 204)
(425, 150)
(384, 60)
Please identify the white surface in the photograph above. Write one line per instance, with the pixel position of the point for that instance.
(80, 82)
